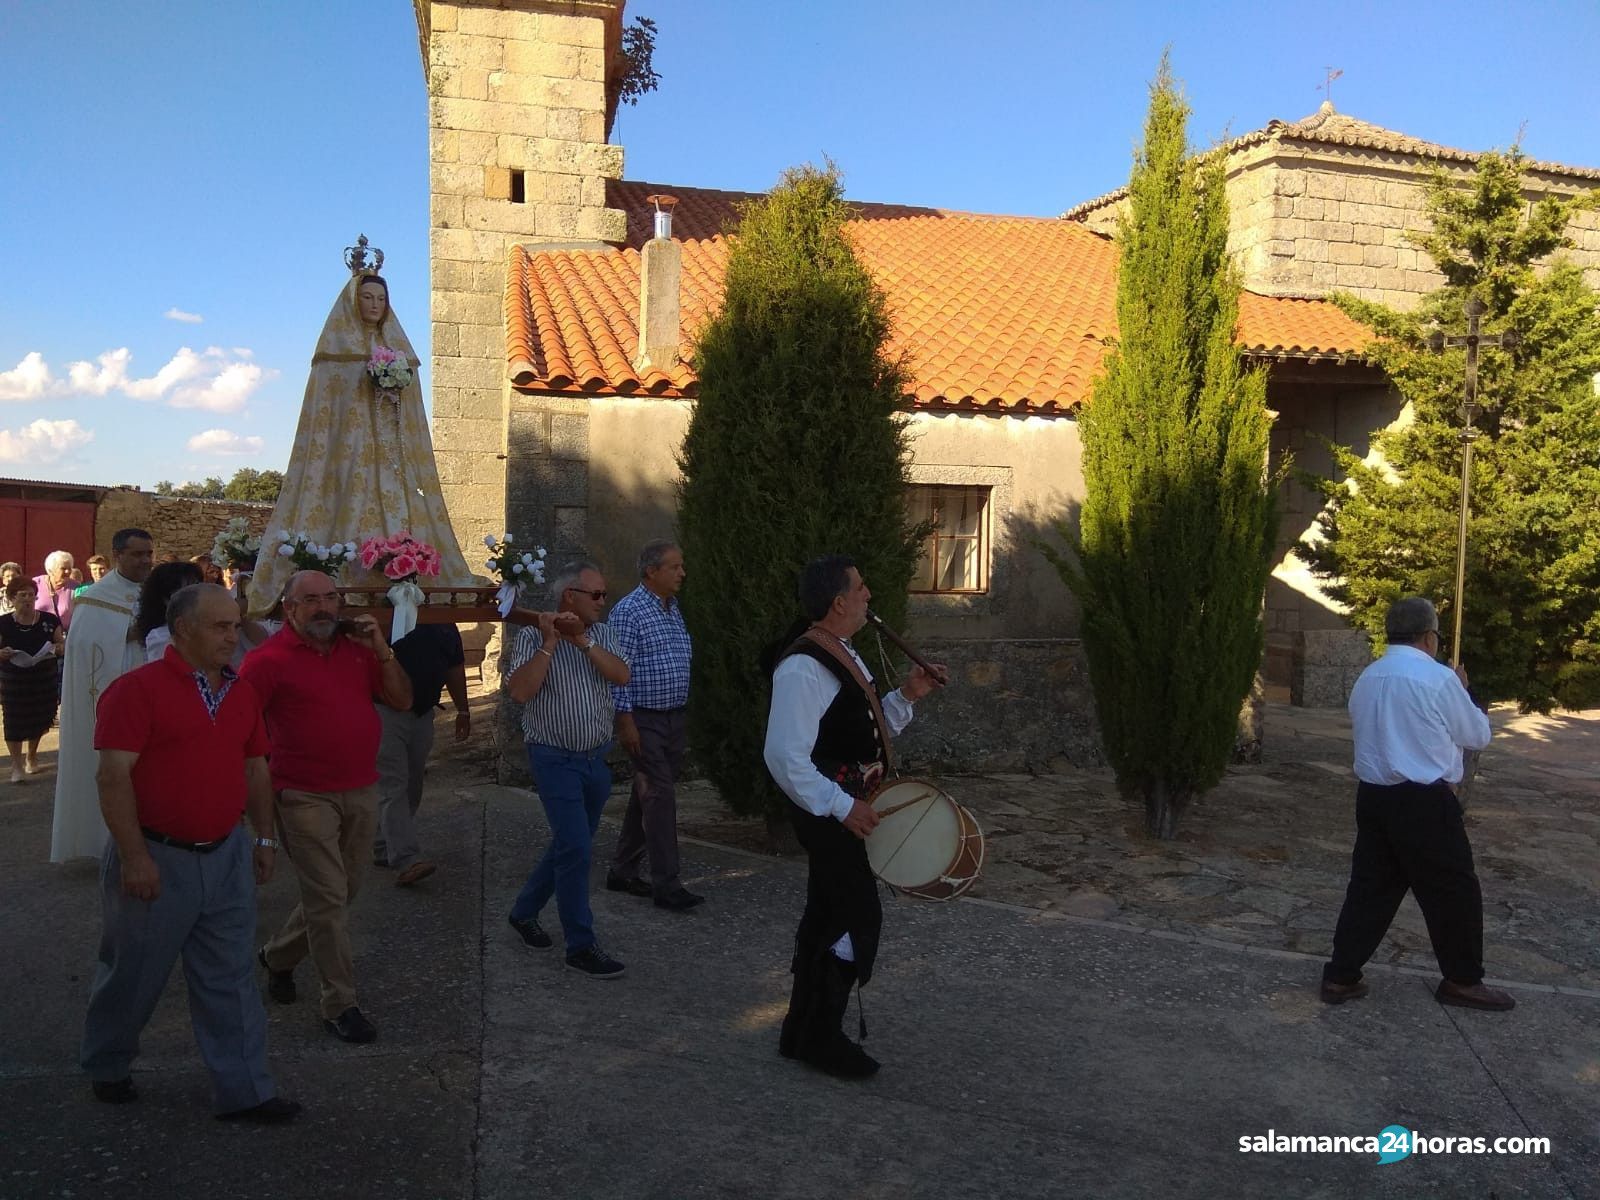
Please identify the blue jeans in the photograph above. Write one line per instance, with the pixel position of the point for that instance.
(573, 787)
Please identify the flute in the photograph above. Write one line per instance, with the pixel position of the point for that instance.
(938, 674)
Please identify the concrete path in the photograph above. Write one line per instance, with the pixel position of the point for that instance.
(1028, 1051)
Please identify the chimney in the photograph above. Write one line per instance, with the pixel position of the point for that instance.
(660, 271)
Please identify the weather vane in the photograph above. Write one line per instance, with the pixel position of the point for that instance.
(1326, 86)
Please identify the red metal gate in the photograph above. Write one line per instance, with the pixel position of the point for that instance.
(31, 529)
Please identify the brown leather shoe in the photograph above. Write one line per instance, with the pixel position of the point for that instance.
(1338, 993)
(1474, 995)
(415, 873)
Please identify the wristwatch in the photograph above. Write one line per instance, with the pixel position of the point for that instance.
(268, 843)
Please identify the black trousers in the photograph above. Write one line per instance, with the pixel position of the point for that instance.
(841, 893)
(1410, 836)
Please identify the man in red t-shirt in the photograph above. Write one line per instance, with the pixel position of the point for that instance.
(182, 756)
(317, 686)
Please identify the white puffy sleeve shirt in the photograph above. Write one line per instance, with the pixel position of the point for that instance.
(802, 690)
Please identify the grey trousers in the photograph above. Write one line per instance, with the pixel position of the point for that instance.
(651, 823)
(402, 759)
(206, 913)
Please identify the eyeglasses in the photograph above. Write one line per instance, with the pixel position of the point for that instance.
(597, 597)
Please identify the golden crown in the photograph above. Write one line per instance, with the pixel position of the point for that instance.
(362, 259)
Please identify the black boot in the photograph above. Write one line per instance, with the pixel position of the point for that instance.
(825, 1045)
(799, 1014)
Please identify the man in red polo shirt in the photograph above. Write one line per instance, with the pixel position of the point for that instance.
(317, 686)
(182, 756)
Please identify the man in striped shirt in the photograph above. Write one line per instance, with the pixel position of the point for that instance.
(652, 725)
(562, 672)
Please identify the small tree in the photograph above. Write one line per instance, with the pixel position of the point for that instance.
(1170, 559)
(795, 449)
(250, 484)
(1532, 627)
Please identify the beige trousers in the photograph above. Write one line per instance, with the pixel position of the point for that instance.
(328, 838)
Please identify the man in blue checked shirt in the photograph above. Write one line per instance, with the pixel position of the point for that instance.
(652, 727)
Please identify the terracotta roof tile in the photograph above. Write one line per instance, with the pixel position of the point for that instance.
(990, 313)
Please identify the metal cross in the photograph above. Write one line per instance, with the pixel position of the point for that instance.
(1473, 340)
(1327, 83)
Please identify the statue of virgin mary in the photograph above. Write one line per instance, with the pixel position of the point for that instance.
(362, 463)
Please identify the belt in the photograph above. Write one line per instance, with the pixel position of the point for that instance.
(598, 752)
(663, 711)
(177, 844)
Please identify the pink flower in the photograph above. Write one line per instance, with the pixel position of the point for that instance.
(400, 566)
(368, 556)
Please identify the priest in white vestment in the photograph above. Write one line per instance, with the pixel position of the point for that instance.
(99, 648)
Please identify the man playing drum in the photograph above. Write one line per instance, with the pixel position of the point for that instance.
(827, 745)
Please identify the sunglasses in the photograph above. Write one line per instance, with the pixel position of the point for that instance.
(597, 597)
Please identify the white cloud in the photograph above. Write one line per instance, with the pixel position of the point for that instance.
(28, 380)
(182, 367)
(85, 379)
(215, 379)
(42, 442)
(222, 441)
(188, 318)
(224, 392)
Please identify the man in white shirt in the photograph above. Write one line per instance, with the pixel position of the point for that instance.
(827, 745)
(1412, 717)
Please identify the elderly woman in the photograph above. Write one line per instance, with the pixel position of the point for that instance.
(8, 572)
(53, 589)
(27, 693)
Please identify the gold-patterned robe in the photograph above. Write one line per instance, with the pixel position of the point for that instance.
(362, 463)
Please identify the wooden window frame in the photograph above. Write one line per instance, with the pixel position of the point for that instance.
(982, 538)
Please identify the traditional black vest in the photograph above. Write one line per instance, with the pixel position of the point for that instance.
(847, 735)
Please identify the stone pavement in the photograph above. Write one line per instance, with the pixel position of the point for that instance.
(1029, 1049)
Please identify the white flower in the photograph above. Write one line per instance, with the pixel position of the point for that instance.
(540, 551)
(507, 539)
(286, 550)
(488, 540)
(322, 553)
(538, 574)
(489, 566)
(528, 558)
(350, 549)
(517, 569)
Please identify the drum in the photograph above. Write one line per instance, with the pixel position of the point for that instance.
(926, 844)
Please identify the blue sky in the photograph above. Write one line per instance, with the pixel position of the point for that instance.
(177, 181)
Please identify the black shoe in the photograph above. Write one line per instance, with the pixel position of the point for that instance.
(269, 1112)
(351, 1026)
(595, 963)
(634, 886)
(115, 1091)
(280, 984)
(1338, 993)
(681, 900)
(531, 934)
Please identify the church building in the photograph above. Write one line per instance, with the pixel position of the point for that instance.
(566, 299)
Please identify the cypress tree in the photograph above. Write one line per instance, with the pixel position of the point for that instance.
(796, 448)
(1531, 631)
(1170, 559)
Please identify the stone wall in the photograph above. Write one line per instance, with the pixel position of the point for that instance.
(518, 114)
(1013, 706)
(177, 524)
(1308, 218)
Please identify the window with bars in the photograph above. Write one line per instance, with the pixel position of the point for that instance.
(955, 553)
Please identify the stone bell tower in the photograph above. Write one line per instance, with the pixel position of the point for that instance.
(521, 96)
